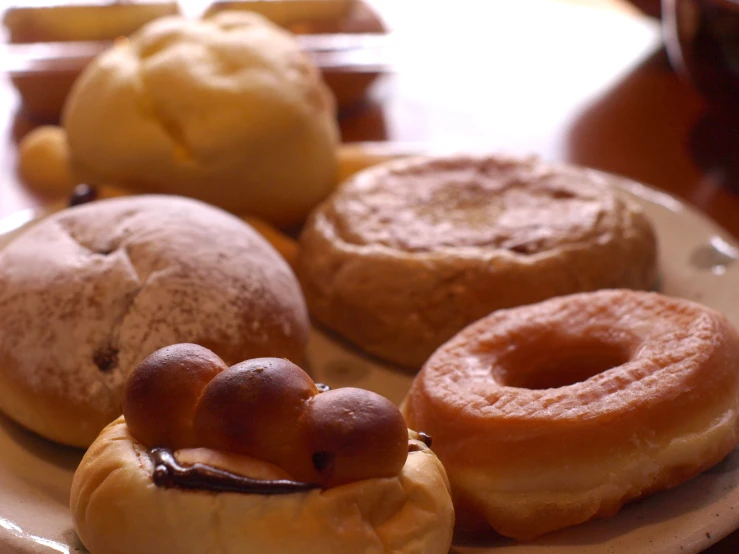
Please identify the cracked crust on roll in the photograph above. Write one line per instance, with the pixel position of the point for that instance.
(548, 415)
(404, 255)
(118, 510)
(89, 292)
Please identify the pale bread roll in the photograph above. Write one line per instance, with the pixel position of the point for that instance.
(228, 110)
(404, 255)
(117, 509)
(89, 292)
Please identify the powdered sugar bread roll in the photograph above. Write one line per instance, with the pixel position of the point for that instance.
(89, 292)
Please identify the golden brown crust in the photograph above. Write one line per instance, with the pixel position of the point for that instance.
(406, 254)
(531, 448)
(117, 509)
(253, 408)
(353, 434)
(89, 292)
(184, 396)
(162, 391)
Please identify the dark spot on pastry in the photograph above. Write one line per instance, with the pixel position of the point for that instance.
(82, 195)
(323, 461)
(426, 439)
(106, 358)
(522, 248)
(562, 194)
(323, 387)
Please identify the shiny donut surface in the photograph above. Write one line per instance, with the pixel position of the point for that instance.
(548, 415)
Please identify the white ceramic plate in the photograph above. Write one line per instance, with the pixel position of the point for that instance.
(698, 261)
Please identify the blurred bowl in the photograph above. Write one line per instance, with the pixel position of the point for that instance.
(702, 41)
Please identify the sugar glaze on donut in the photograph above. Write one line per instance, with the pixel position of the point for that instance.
(548, 415)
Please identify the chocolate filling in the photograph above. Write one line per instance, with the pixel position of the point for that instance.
(169, 473)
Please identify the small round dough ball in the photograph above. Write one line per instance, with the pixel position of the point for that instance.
(353, 434)
(228, 110)
(43, 161)
(162, 391)
(253, 408)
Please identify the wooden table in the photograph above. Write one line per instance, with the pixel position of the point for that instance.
(567, 81)
(579, 81)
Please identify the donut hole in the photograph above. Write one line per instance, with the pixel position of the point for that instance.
(560, 364)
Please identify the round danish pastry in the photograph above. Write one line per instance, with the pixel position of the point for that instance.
(405, 254)
(89, 292)
(299, 470)
(548, 415)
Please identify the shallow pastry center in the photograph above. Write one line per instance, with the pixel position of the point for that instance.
(482, 204)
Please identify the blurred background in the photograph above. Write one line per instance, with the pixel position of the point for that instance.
(643, 89)
(583, 81)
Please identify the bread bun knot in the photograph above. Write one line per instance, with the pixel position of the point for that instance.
(184, 396)
(162, 391)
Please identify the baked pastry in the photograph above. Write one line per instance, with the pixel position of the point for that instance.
(90, 291)
(43, 161)
(228, 110)
(287, 13)
(299, 471)
(82, 21)
(548, 415)
(404, 255)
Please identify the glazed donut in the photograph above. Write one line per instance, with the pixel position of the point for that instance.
(405, 254)
(548, 415)
(296, 470)
(90, 291)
